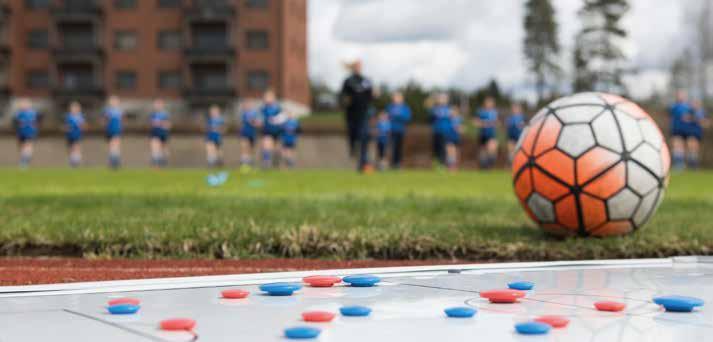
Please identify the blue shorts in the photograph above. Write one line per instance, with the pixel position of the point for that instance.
(215, 138)
(73, 139)
(113, 134)
(289, 143)
(248, 137)
(454, 139)
(25, 137)
(514, 135)
(688, 131)
(272, 131)
(160, 134)
(486, 136)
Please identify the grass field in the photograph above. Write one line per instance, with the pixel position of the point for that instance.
(316, 214)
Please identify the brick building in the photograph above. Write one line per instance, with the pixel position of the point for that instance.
(190, 52)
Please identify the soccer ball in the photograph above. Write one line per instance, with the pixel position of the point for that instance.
(591, 164)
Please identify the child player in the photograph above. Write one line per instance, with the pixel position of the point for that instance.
(682, 114)
(250, 122)
(25, 121)
(486, 119)
(113, 117)
(515, 124)
(453, 139)
(698, 122)
(383, 132)
(74, 127)
(440, 124)
(273, 118)
(215, 126)
(160, 128)
(400, 116)
(290, 131)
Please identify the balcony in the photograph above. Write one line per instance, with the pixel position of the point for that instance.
(206, 53)
(86, 52)
(77, 11)
(79, 90)
(210, 95)
(209, 10)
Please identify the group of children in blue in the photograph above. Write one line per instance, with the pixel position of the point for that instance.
(447, 130)
(277, 126)
(687, 122)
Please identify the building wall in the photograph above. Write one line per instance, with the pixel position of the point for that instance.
(284, 60)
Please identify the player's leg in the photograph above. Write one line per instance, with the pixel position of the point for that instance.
(397, 141)
(288, 154)
(678, 152)
(381, 152)
(26, 151)
(211, 153)
(451, 156)
(268, 147)
(75, 154)
(246, 151)
(511, 150)
(492, 148)
(693, 149)
(164, 151)
(156, 151)
(115, 152)
(364, 138)
(352, 136)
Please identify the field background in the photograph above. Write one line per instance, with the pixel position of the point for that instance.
(474, 216)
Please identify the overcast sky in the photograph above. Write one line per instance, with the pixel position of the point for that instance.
(464, 43)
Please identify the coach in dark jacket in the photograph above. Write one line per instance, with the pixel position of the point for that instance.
(357, 96)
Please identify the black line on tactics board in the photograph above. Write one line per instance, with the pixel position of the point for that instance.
(116, 325)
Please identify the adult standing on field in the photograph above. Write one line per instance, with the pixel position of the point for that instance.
(357, 96)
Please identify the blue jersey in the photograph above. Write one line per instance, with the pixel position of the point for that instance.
(383, 129)
(114, 117)
(290, 130)
(269, 111)
(681, 114)
(440, 119)
(249, 119)
(489, 117)
(74, 123)
(26, 123)
(399, 115)
(159, 119)
(515, 124)
(453, 133)
(215, 125)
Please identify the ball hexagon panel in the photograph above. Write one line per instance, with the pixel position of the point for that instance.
(542, 208)
(622, 205)
(630, 131)
(640, 180)
(578, 114)
(606, 132)
(576, 139)
(589, 98)
(647, 156)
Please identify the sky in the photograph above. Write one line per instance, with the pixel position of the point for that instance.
(465, 43)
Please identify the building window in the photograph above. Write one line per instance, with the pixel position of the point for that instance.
(125, 40)
(257, 3)
(38, 79)
(37, 4)
(169, 79)
(126, 80)
(38, 39)
(125, 4)
(258, 80)
(169, 3)
(258, 40)
(169, 40)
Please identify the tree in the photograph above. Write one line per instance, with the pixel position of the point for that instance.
(682, 73)
(540, 45)
(598, 58)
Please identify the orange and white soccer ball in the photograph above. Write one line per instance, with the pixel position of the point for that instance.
(591, 164)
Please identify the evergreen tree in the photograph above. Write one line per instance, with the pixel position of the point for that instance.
(541, 47)
(598, 58)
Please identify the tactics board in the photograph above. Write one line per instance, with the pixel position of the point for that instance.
(407, 305)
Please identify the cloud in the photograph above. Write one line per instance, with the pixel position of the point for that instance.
(465, 43)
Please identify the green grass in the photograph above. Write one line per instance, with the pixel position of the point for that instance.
(322, 214)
